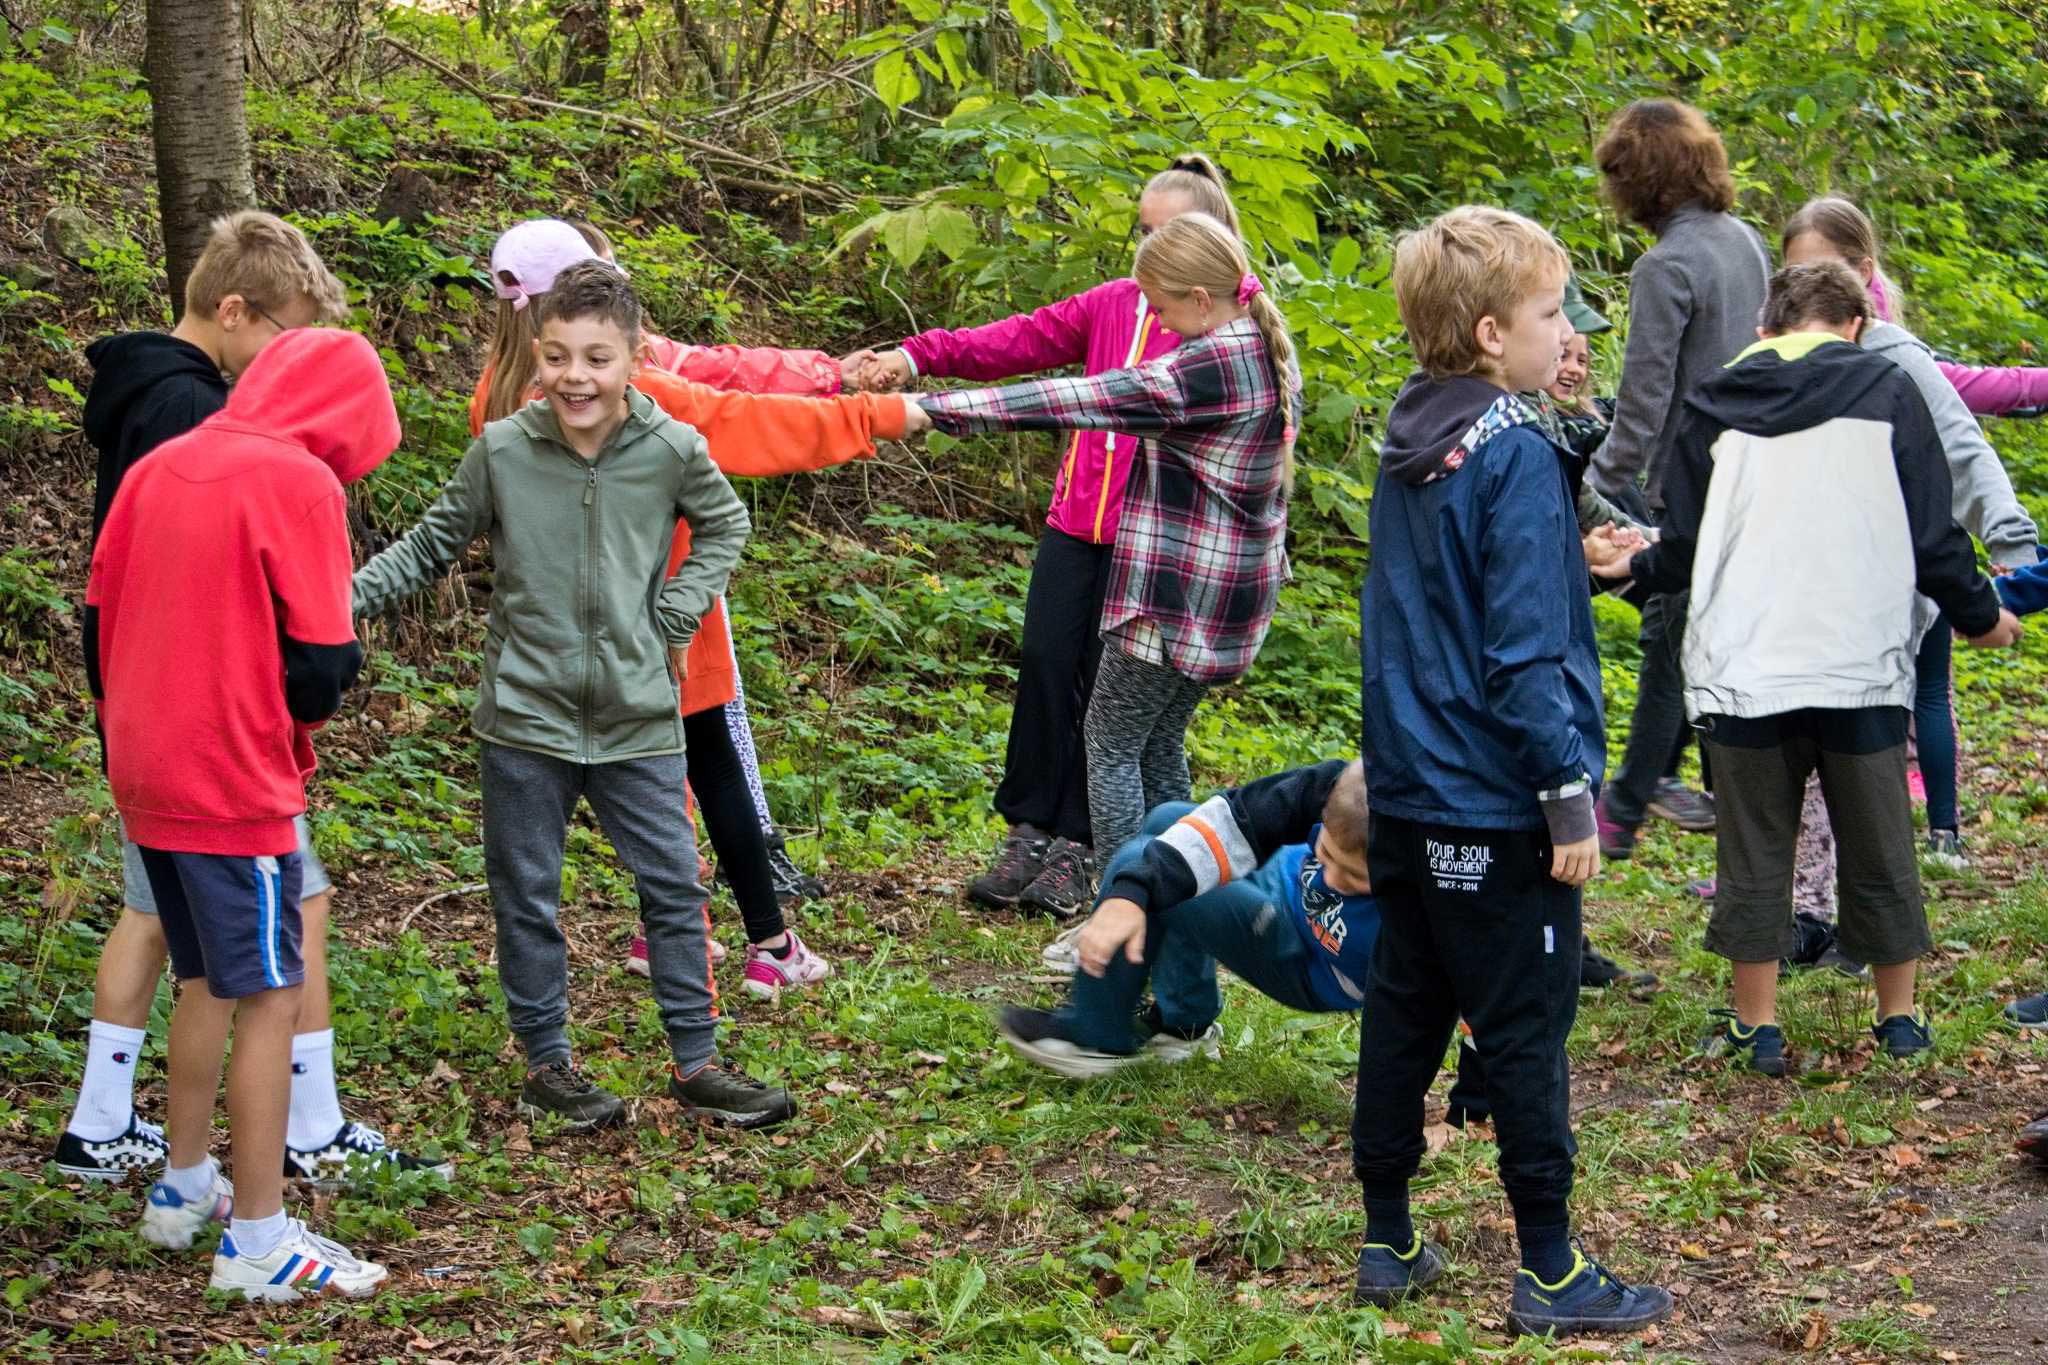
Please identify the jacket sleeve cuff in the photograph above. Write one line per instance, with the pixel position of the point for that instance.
(1129, 886)
(1985, 604)
(2018, 555)
(1568, 812)
(910, 359)
(889, 416)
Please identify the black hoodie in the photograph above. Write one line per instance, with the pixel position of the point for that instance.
(146, 388)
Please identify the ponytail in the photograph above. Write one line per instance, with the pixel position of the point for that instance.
(1198, 178)
(510, 363)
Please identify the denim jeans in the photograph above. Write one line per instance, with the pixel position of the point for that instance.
(1237, 923)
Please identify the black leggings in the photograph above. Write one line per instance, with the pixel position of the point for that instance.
(719, 780)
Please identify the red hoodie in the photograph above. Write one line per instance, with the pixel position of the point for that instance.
(218, 631)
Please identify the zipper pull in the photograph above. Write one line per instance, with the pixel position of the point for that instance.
(590, 489)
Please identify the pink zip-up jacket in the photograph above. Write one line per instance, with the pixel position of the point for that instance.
(750, 369)
(1987, 390)
(1105, 328)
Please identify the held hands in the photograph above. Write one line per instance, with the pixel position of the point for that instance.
(853, 369)
(915, 419)
(1610, 549)
(2003, 635)
(1117, 925)
(877, 372)
(1575, 864)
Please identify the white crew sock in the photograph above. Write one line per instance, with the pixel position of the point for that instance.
(258, 1237)
(316, 1105)
(191, 1183)
(106, 1096)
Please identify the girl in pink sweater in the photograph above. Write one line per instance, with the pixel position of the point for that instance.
(1048, 860)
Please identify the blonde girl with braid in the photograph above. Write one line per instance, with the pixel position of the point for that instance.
(1201, 552)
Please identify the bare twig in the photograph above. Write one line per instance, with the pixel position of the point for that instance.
(469, 889)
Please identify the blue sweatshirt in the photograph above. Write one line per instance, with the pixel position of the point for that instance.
(1264, 833)
(2025, 591)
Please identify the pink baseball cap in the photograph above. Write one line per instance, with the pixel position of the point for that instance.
(529, 255)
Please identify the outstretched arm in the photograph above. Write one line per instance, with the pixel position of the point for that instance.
(758, 435)
(423, 554)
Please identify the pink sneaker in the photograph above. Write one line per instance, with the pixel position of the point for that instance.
(636, 956)
(768, 976)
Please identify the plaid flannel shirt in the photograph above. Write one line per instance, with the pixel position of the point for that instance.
(1201, 550)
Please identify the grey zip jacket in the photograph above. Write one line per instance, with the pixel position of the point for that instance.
(1693, 300)
(583, 608)
(1984, 501)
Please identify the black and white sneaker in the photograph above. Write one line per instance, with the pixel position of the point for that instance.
(354, 1151)
(141, 1148)
(793, 885)
(1036, 1036)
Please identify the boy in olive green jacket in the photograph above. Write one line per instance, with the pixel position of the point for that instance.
(580, 495)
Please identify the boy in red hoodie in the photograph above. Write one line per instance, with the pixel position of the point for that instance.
(228, 549)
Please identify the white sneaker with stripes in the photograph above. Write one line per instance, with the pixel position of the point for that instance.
(302, 1265)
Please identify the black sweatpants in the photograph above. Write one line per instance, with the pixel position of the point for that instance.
(1470, 923)
(719, 780)
(1045, 771)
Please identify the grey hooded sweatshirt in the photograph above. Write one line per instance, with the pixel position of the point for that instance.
(1985, 505)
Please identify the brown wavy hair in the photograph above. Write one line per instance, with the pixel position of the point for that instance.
(1658, 156)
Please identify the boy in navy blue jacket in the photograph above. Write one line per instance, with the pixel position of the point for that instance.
(1483, 745)
(1269, 878)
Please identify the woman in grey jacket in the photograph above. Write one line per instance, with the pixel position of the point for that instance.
(1832, 228)
(1693, 304)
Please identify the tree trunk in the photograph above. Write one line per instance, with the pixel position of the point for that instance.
(586, 29)
(196, 78)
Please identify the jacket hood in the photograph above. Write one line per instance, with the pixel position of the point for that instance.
(1790, 383)
(1436, 423)
(129, 365)
(1882, 337)
(323, 389)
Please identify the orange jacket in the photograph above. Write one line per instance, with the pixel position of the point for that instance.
(753, 435)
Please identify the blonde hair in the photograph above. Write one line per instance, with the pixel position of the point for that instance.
(1198, 178)
(510, 363)
(1470, 263)
(266, 261)
(594, 235)
(1196, 251)
(1346, 818)
(1847, 229)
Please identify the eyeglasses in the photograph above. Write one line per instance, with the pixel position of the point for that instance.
(261, 312)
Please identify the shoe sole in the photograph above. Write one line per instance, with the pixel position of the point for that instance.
(1177, 1050)
(990, 901)
(2016, 1023)
(639, 966)
(533, 1113)
(1073, 1067)
(284, 1293)
(1689, 825)
(340, 1184)
(734, 1118)
(100, 1175)
(1564, 1327)
(1060, 913)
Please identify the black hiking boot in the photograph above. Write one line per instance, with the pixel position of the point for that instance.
(559, 1088)
(1017, 866)
(727, 1095)
(1598, 972)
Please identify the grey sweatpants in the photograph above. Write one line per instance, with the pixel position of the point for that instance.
(528, 799)
(1136, 733)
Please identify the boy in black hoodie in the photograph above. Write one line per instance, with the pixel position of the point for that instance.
(1811, 457)
(1483, 747)
(257, 278)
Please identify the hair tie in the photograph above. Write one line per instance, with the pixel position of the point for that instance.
(1248, 288)
(520, 300)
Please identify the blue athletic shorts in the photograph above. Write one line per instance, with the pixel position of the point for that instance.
(232, 919)
(136, 895)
